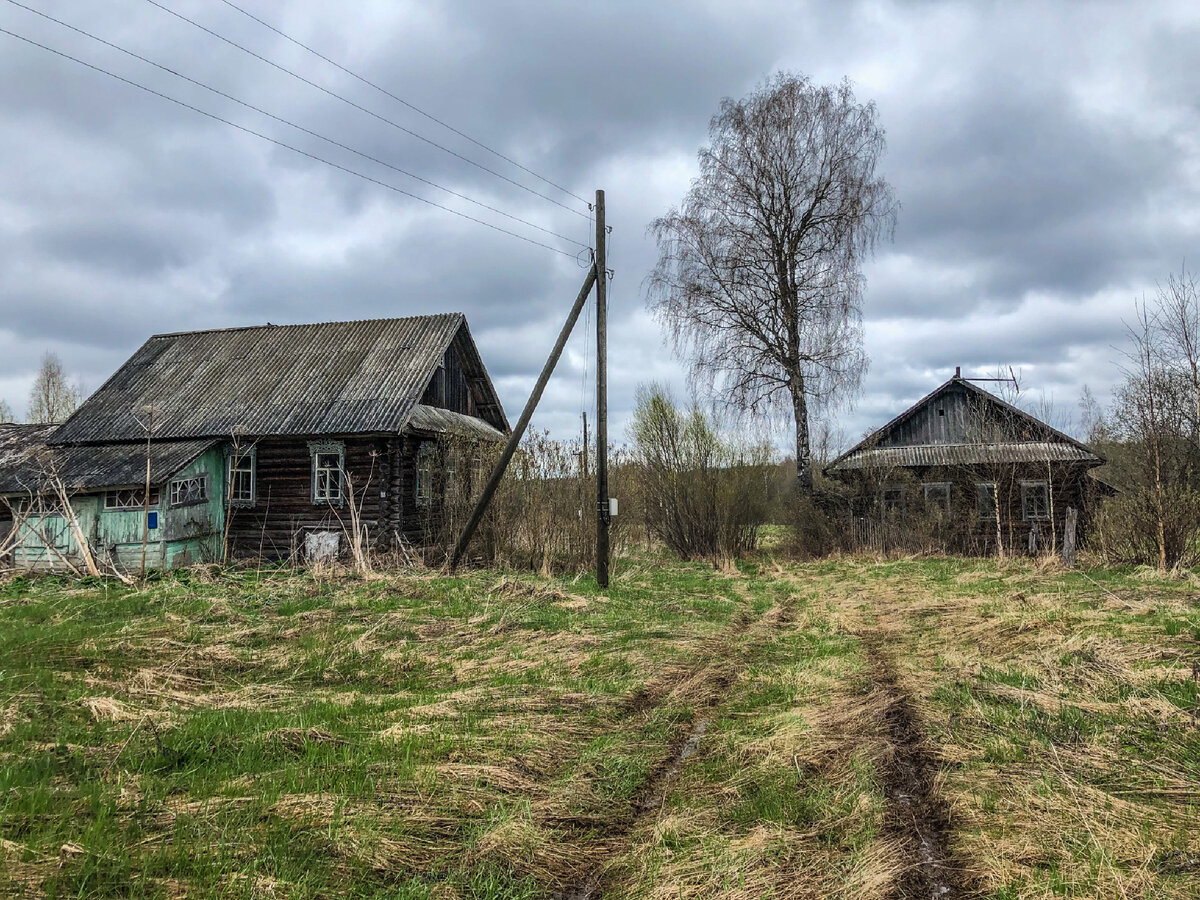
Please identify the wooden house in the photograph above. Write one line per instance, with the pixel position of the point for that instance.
(965, 470)
(259, 437)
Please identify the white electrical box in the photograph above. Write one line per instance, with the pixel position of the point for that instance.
(612, 506)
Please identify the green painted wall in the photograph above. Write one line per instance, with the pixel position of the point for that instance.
(185, 534)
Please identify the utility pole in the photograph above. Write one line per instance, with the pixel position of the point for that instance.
(584, 448)
(598, 276)
(602, 513)
(514, 439)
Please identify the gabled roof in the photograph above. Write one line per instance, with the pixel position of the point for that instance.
(27, 461)
(327, 378)
(1040, 443)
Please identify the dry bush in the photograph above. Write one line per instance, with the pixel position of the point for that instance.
(702, 493)
(1126, 531)
(543, 515)
(819, 524)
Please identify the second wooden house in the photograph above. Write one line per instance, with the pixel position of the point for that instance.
(963, 470)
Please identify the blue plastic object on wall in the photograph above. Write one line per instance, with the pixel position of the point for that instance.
(152, 520)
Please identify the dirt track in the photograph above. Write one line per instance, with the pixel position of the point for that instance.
(917, 816)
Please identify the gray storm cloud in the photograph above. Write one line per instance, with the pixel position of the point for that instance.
(1046, 161)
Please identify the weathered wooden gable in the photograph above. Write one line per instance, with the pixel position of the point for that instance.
(960, 413)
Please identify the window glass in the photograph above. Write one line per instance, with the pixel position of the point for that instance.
(241, 465)
(937, 494)
(1035, 501)
(985, 499)
(186, 491)
(423, 482)
(328, 476)
(131, 498)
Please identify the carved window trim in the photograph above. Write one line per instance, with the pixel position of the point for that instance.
(188, 491)
(241, 464)
(328, 482)
(423, 475)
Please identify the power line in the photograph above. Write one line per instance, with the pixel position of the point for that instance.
(359, 107)
(284, 144)
(301, 128)
(400, 100)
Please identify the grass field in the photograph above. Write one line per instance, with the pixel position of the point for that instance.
(849, 728)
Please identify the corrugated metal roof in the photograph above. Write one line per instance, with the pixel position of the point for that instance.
(444, 421)
(26, 459)
(963, 455)
(327, 378)
(1061, 447)
(20, 443)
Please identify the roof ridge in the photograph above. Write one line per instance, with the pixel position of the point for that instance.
(232, 328)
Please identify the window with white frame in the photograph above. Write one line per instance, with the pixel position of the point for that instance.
(937, 495)
(187, 491)
(423, 476)
(1035, 501)
(328, 472)
(130, 498)
(985, 499)
(241, 476)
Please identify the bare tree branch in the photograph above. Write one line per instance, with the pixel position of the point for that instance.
(759, 275)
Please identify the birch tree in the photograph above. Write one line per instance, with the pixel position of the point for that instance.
(53, 398)
(759, 275)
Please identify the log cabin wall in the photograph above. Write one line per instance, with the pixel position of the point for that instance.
(409, 518)
(420, 524)
(961, 528)
(274, 527)
(284, 510)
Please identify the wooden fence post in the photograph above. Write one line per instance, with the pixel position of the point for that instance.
(1069, 536)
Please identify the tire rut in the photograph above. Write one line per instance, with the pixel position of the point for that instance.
(710, 681)
(916, 816)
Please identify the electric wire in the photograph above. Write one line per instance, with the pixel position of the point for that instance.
(360, 107)
(400, 100)
(291, 124)
(284, 144)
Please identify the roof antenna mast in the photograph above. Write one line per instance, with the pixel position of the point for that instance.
(1011, 379)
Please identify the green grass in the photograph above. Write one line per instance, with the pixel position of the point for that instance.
(283, 734)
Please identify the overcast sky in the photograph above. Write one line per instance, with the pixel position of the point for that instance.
(1046, 158)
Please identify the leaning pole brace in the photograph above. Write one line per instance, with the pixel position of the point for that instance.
(515, 438)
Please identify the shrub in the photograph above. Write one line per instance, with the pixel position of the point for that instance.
(820, 524)
(1126, 531)
(543, 515)
(701, 493)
